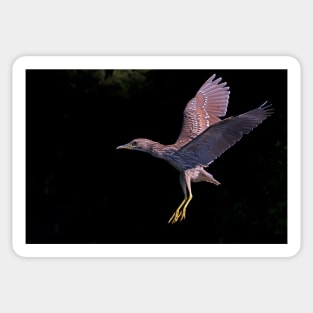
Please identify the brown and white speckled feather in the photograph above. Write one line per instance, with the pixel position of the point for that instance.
(204, 109)
(219, 137)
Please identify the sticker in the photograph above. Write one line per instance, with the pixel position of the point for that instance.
(226, 127)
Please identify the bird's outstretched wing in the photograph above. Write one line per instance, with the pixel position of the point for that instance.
(215, 140)
(204, 109)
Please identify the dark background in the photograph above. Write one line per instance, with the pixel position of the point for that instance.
(80, 189)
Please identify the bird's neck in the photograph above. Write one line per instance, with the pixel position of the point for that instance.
(156, 149)
(159, 150)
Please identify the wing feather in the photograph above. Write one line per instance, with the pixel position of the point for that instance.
(221, 136)
(204, 109)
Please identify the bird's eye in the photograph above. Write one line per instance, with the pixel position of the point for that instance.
(134, 143)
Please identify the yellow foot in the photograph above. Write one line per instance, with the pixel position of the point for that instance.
(180, 213)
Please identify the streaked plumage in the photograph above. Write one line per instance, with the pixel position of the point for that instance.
(203, 138)
(204, 109)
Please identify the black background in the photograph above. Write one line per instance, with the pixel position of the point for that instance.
(80, 189)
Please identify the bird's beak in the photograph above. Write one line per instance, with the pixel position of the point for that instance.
(127, 146)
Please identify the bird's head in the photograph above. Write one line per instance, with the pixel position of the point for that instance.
(140, 144)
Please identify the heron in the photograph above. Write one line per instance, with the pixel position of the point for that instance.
(204, 137)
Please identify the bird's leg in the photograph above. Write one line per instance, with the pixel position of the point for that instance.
(177, 213)
(181, 214)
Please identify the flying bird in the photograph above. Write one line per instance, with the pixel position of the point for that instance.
(203, 138)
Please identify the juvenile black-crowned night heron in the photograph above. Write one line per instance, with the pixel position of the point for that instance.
(203, 138)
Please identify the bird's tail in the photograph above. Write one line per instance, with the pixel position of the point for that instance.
(205, 176)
